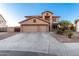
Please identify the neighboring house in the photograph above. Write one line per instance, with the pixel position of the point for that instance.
(3, 26)
(77, 25)
(41, 23)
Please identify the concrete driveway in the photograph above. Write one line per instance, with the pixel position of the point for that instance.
(33, 42)
(36, 44)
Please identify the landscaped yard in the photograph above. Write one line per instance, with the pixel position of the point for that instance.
(65, 39)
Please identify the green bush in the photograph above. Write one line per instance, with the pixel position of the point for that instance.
(59, 31)
(66, 32)
(70, 34)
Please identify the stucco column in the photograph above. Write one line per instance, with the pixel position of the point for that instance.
(21, 28)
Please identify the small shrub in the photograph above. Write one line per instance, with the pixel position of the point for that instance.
(70, 34)
(59, 31)
(66, 32)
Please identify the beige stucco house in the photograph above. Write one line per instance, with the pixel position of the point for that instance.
(77, 25)
(41, 23)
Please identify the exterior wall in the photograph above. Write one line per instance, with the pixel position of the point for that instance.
(10, 29)
(37, 21)
(3, 29)
(3, 25)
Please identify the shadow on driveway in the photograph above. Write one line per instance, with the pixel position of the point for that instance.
(22, 53)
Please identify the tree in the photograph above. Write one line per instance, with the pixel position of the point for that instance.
(64, 23)
(65, 28)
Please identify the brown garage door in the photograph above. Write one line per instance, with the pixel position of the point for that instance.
(35, 29)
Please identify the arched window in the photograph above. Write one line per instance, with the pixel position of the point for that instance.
(54, 20)
(47, 16)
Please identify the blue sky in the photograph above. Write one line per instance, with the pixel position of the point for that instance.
(13, 13)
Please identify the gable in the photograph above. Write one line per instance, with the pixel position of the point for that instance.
(34, 21)
(2, 19)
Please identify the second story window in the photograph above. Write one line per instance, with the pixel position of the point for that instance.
(54, 20)
(47, 17)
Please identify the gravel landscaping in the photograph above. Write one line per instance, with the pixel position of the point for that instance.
(65, 39)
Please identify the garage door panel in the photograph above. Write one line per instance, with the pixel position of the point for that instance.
(43, 28)
(29, 28)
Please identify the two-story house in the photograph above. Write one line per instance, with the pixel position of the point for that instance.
(41, 23)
